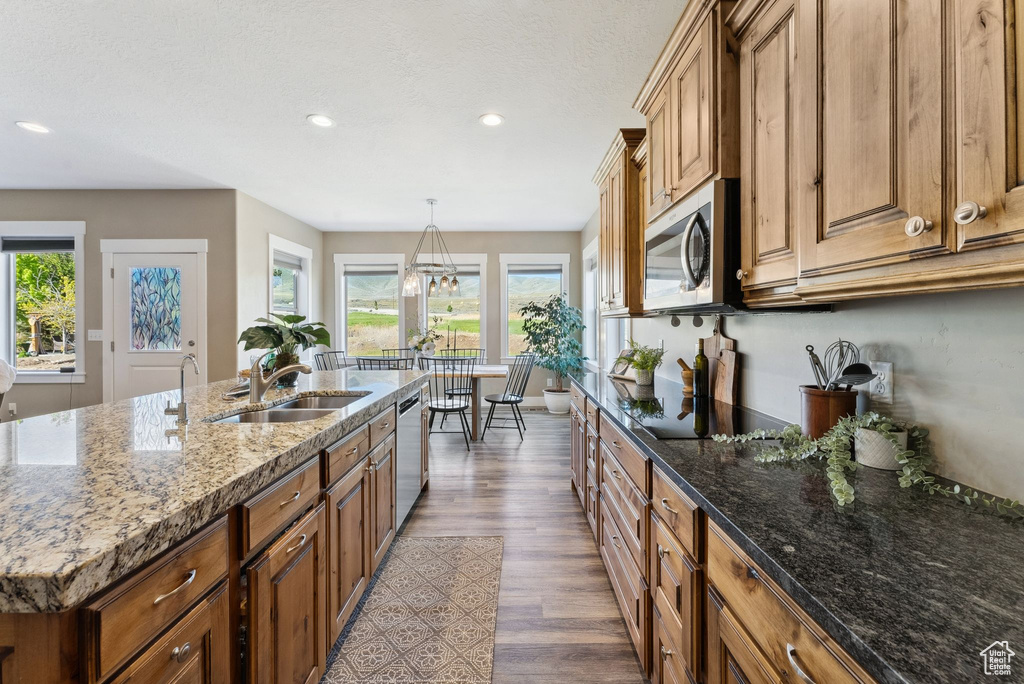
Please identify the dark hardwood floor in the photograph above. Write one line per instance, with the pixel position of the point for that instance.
(557, 616)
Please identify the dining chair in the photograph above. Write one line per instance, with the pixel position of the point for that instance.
(512, 397)
(476, 352)
(451, 388)
(384, 363)
(400, 352)
(330, 360)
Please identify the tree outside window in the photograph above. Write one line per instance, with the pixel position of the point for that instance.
(45, 310)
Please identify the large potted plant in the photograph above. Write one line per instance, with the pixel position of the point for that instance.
(285, 335)
(552, 329)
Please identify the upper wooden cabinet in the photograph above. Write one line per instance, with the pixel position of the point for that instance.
(689, 103)
(621, 235)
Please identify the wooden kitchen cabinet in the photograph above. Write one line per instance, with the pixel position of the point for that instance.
(691, 122)
(348, 544)
(382, 500)
(732, 656)
(621, 233)
(770, 128)
(577, 449)
(870, 163)
(657, 195)
(643, 178)
(677, 594)
(287, 605)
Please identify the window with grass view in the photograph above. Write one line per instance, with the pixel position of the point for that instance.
(371, 309)
(42, 306)
(528, 283)
(457, 317)
(285, 277)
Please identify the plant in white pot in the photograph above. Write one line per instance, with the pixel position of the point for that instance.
(645, 360)
(552, 333)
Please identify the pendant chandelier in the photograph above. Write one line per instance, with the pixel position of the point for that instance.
(437, 263)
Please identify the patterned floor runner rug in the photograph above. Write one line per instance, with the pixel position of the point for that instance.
(428, 617)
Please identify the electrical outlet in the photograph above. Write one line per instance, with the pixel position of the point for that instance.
(550, 382)
(12, 408)
(95, 335)
(881, 387)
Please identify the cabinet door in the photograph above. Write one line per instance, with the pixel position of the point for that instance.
(617, 230)
(676, 589)
(690, 105)
(424, 445)
(578, 451)
(666, 666)
(287, 586)
(658, 195)
(348, 545)
(874, 170)
(604, 247)
(382, 460)
(732, 658)
(989, 90)
(768, 134)
(197, 650)
(644, 181)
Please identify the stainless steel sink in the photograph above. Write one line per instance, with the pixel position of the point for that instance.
(277, 415)
(316, 402)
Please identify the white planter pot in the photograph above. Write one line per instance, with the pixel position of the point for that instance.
(644, 378)
(873, 450)
(557, 402)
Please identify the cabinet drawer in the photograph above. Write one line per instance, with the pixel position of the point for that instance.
(592, 454)
(578, 399)
(382, 425)
(676, 591)
(278, 505)
(591, 500)
(629, 587)
(786, 635)
(667, 668)
(123, 620)
(345, 453)
(628, 506)
(592, 414)
(629, 457)
(676, 509)
(196, 649)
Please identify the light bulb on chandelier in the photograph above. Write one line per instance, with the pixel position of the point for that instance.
(439, 262)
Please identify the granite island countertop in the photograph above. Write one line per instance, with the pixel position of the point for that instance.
(88, 495)
(912, 586)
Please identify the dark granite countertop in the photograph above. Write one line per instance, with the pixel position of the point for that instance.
(913, 586)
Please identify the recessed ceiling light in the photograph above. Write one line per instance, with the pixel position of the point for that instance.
(34, 127)
(492, 119)
(320, 120)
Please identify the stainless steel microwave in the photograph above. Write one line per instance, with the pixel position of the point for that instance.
(692, 253)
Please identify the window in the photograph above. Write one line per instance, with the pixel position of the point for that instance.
(369, 302)
(617, 332)
(41, 263)
(289, 277)
(457, 318)
(527, 278)
(590, 313)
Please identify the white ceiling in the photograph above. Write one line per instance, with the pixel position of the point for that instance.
(212, 93)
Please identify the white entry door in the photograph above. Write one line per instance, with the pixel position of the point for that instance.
(155, 322)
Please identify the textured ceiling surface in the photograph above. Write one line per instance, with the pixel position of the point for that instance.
(214, 93)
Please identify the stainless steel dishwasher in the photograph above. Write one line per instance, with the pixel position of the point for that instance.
(407, 465)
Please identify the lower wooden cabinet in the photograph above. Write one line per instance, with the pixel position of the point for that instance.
(287, 606)
(732, 657)
(197, 650)
(667, 665)
(348, 543)
(677, 591)
(577, 449)
(628, 585)
(382, 500)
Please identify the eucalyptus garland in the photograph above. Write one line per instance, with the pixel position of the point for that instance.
(835, 449)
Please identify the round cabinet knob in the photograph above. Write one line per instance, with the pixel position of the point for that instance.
(741, 274)
(180, 653)
(968, 212)
(917, 226)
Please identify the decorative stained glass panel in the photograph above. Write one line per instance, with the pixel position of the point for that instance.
(156, 308)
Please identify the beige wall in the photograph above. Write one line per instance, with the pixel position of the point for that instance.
(493, 244)
(959, 370)
(123, 214)
(255, 222)
(591, 230)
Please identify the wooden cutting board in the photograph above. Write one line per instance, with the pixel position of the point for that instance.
(713, 345)
(725, 381)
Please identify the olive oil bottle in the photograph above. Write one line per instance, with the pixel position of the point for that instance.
(701, 372)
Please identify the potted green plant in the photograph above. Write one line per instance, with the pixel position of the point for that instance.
(645, 360)
(285, 334)
(552, 333)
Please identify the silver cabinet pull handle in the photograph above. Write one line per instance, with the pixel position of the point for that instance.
(664, 504)
(741, 274)
(295, 497)
(968, 212)
(302, 540)
(665, 653)
(190, 577)
(354, 450)
(385, 424)
(662, 551)
(615, 541)
(180, 653)
(791, 654)
(616, 444)
(917, 226)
